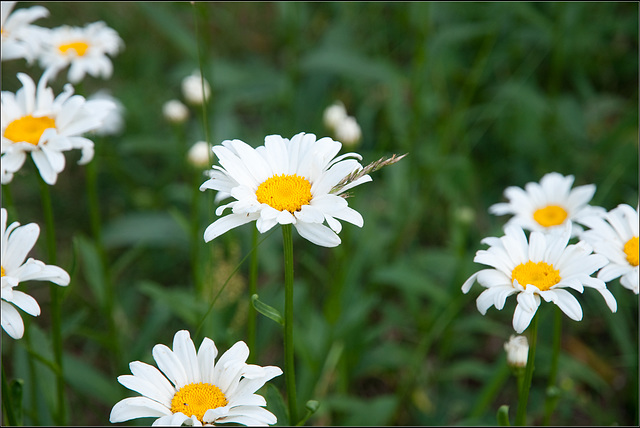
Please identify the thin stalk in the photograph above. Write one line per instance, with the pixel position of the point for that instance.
(523, 394)
(56, 302)
(252, 318)
(289, 368)
(552, 398)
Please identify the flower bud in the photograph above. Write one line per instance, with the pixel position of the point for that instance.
(198, 154)
(517, 351)
(175, 112)
(192, 88)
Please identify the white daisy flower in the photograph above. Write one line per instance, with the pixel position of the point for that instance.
(615, 236)
(542, 267)
(285, 182)
(36, 123)
(17, 241)
(548, 205)
(20, 39)
(85, 50)
(194, 389)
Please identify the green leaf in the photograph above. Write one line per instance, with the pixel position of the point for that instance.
(266, 310)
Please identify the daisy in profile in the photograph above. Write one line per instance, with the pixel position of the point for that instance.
(549, 205)
(191, 388)
(615, 236)
(36, 123)
(85, 50)
(20, 38)
(544, 267)
(297, 181)
(17, 241)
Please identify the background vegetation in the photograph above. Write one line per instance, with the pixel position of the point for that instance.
(481, 95)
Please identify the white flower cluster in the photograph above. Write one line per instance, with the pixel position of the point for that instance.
(544, 265)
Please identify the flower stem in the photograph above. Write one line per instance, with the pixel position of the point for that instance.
(552, 396)
(289, 368)
(253, 289)
(56, 302)
(523, 393)
(7, 401)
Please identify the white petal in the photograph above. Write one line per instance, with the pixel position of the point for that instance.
(11, 320)
(207, 354)
(565, 301)
(227, 223)
(137, 407)
(146, 388)
(20, 243)
(153, 375)
(26, 303)
(185, 351)
(170, 365)
(318, 234)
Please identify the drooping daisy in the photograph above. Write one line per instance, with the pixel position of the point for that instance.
(615, 236)
(540, 268)
(17, 241)
(20, 39)
(84, 50)
(548, 205)
(36, 123)
(196, 390)
(285, 182)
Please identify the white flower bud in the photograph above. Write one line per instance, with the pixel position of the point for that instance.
(348, 131)
(192, 87)
(175, 112)
(517, 351)
(198, 154)
(333, 115)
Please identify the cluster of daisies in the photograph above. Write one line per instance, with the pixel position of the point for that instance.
(545, 265)
(190, 387)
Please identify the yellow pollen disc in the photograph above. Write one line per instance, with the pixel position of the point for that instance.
(28, 129)
(285, 192)
(540, 274)
(3, 271)
(79, 47)
(631, 250)
(196, 398)
(551, 215)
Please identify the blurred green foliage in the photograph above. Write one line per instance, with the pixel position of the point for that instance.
(480, 95)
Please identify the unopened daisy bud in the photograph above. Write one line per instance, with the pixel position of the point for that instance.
(198, 154)
(175, 112)
(333, 115)
(193, 87)
(517, 351)
(348, 131)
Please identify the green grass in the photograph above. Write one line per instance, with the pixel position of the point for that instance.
(480, 95)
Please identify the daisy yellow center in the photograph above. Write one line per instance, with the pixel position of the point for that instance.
(631, 250)
(28, 128)
(540, 274)
(285, 192)
(196, 398)
(551, 215)
(79, 47)
(3, 272)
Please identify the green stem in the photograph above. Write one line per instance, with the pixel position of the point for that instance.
(551, 397)
(56, 301)
(523, 395)
(252, 318)
(289, 368)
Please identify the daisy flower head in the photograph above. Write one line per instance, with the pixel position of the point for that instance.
(191, 388)
(548, 205)
(297, 181)
(542, 267)
(17, 241)
(35, 122)
(615, 236)
(85, 50)
(20, 38)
